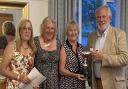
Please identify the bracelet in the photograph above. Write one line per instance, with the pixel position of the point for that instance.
(18, 77)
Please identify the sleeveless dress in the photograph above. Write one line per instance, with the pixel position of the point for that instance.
(47, 63)
(67, 82)
(20, 65)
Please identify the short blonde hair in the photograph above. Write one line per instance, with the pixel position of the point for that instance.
(70, 24)
(44, 24)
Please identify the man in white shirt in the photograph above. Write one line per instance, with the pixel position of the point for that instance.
(109, 54)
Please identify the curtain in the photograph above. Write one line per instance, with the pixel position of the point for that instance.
(124, 16)
(61, 11)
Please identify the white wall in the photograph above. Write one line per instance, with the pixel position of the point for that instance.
(38, 10)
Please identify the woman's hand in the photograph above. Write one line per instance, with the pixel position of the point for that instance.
(24, 79)
(80, 77)
(36, 86)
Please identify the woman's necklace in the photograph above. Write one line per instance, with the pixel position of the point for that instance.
(25, 48)
(47, 44)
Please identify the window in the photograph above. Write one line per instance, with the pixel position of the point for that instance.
(113, 6)
(86, 17)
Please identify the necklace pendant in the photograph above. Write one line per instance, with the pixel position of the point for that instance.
(25, 48)
(46, 45)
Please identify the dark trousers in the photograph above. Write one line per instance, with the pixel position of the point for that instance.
(99, 83)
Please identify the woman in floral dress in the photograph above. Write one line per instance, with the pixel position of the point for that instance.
(18, 58)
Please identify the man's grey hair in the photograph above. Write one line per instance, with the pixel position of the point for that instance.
(105, 7)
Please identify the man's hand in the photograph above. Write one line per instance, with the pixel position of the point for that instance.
(97, 55)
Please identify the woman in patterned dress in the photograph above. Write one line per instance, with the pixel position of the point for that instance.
(18, 58)
(47, 55)
(69, 65)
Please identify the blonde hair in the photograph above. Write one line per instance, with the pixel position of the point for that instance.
(71, 24)
(44, 23)
(18, 37)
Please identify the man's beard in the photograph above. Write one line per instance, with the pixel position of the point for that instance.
(103, 28)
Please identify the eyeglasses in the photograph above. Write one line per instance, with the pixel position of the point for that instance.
(26, 28)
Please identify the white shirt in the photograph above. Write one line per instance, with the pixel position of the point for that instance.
(99, 46)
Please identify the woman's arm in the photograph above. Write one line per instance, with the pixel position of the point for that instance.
(63, 70)
(5, 66)
(7, 56)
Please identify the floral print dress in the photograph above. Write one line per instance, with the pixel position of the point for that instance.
(20, 64)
